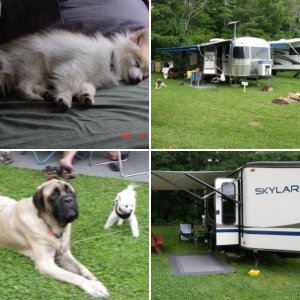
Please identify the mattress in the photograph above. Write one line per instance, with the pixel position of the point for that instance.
(118, 120)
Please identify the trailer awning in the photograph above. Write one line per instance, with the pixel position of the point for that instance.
(278, 45)
(165, 180)
(191, 48)
(285, 43)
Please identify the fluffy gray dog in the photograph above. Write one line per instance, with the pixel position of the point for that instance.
(73, 64)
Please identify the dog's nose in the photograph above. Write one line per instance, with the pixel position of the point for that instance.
(135, 80)
(71, 216)
(68, 200)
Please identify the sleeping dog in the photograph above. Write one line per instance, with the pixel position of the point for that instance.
(73, 64)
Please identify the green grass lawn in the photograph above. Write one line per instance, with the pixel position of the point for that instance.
(114, 256)
(224, 117)
(279, 278)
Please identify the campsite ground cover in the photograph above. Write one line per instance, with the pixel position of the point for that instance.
(118, 259)
(279, 279)
(224, 117)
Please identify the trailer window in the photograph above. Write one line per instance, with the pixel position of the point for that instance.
(260, 53)
(294, 51)
(228, 207)
(241, 52)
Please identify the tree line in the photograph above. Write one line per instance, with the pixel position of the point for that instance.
(184, 22)
(178, 206)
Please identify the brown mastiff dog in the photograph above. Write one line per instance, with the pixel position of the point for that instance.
(40, 228)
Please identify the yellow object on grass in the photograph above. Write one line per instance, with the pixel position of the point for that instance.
(254, 272)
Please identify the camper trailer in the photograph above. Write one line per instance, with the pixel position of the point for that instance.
(256, 207)
(286, 55)
(239, 57)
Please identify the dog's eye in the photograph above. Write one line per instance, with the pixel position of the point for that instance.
(137, 64)
(55, 194)
(68, 190)
(126, 206)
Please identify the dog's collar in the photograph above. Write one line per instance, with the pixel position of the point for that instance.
(51, 231)
(53, 234)
(120, 213)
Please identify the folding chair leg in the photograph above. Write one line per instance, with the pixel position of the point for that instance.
(122, 169)
(40, 161)
(100, 163)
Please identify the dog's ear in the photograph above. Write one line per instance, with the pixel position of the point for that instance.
(38, 201)
(140, 37)
(132, 186)
(117, 198)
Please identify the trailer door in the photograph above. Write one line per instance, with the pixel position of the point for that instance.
(227, 217)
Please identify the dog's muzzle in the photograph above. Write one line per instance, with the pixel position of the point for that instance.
(134, 80)
(68, 210)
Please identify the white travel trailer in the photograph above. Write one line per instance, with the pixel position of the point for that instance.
(256, 207)
(239, 57)
(286, 54)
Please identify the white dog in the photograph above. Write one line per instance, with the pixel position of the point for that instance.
(124, 208)
(66, 65)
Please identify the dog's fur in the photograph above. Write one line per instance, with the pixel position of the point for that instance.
(159, 84)
(72, 64)
(40, 228)
(124, 208)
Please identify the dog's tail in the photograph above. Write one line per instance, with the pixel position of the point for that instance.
(6, 73)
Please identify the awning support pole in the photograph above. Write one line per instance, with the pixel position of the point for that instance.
(212, 188)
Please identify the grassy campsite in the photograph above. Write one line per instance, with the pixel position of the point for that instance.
(279, 278)
(223, 117)
(232, 38)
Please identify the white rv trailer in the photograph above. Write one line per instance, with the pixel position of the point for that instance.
(286, 54)
(239, 57)
(256, 207)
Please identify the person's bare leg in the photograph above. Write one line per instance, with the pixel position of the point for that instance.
(113, 155)
(67, 160)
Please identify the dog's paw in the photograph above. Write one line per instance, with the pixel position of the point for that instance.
(86, 98)
(96, 289)
(136, 234)
(48, 95)
(64, 102)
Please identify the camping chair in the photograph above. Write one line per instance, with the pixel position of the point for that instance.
(188, 76)
(186, 232)
(38, 156)
(156, 242)
(194, 77)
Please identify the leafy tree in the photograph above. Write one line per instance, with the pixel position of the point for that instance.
(183, 22)
(178, 206)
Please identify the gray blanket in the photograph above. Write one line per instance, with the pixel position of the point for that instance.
(118, 120)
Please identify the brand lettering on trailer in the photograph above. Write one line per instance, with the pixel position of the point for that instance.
(277, 190)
